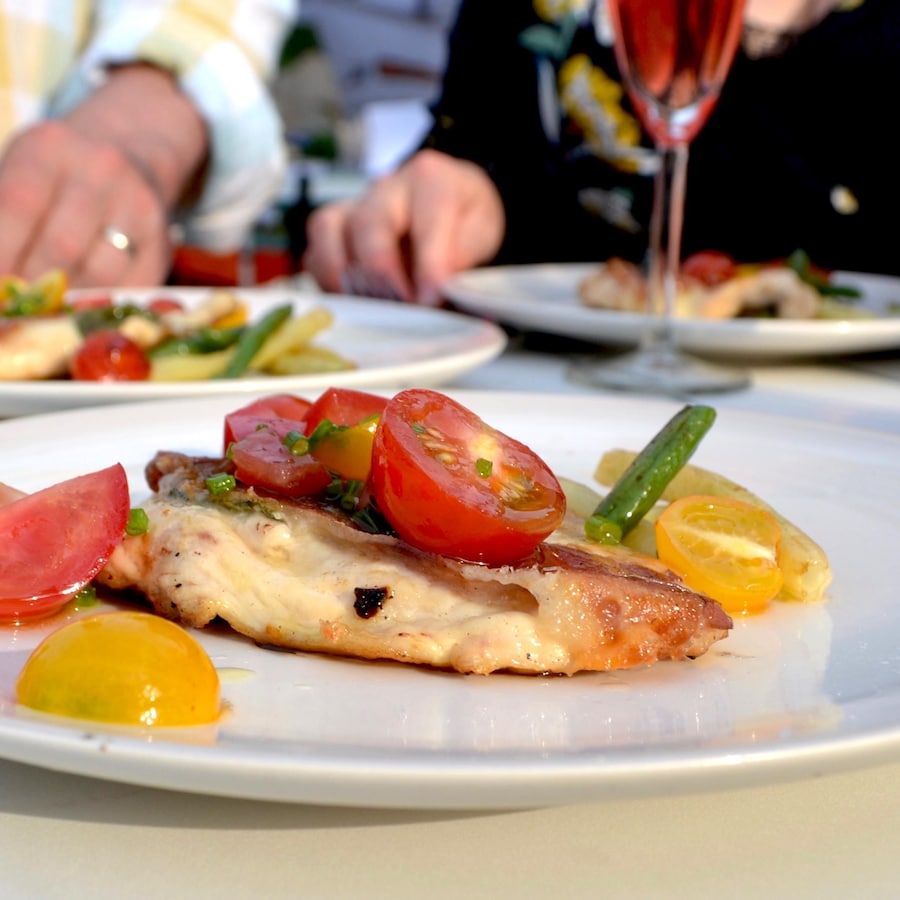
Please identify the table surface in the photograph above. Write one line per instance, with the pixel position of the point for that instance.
(829, 836)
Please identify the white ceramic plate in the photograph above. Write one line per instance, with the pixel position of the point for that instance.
(545, 298)
(391, 344)
(793, 693)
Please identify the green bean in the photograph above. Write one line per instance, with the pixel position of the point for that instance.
(206, 340)
(643, 482)
(253, 337)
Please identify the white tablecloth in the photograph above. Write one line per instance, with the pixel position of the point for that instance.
(831, 836)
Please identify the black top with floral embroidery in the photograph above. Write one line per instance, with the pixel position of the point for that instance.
(798, 153)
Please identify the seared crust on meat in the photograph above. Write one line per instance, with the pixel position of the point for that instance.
(301, 576)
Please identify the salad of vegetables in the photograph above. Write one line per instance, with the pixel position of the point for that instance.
(45, 332)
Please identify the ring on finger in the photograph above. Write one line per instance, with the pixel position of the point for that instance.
(120, 240)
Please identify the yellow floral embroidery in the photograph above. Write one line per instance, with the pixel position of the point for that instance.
(594, 101)
(554, 10)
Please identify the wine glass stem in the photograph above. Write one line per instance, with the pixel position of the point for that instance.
(666, 220)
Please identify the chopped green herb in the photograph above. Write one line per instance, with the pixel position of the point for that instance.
(325, 428)
(296, 442)
(484, 467)
(89, 320)
(87, 596)
(221, 483)
(138, 522)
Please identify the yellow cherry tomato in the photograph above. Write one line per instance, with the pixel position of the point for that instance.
(724, 548)
(52, 286)
(348, 451)
(127, 668)
(234, 319)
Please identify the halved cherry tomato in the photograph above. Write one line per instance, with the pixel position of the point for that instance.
(131, 668)
(346, 450)
(280, 406)
(56, 540)
(161, 305)
(724, 548)
(344, 406)
(449, 483)
(262, 460)
(108, 355)
(90, 301)
(710, 267)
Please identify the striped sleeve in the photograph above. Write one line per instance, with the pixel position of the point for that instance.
(223, 54)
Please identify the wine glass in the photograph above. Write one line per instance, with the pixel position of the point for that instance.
(674, 56)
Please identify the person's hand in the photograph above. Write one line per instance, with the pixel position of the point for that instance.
(434, 216)
(91, 194)
(789, 16)
(79, 204)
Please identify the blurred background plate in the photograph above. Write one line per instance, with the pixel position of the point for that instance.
(391, 345)
(545, 298)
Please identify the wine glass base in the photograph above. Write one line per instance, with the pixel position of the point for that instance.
(658, 371)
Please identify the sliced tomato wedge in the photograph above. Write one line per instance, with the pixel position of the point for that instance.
(162, 305)
(56, 540)
(241, 422)
(108, 355)
(710, 267)
(89, 301)
(262, 460)
(449, 483)
(344, 406)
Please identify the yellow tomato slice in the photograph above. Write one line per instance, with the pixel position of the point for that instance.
(348, 451)
(128, 668)
(52, 286)
(234, 319)
(724, 548)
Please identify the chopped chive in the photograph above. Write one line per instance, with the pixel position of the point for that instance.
(324, 429)
(297, 443)
(87, 596)
(138, 522)
(220, 484)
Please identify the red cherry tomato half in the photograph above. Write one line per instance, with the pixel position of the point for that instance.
(56, 540)
(162, 305)
(263, 461)
(710, 267)
(344, 406)
(449, 483)
(241, 422)
(90, 301)
(109, 356)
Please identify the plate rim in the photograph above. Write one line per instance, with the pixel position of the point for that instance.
(473, 291)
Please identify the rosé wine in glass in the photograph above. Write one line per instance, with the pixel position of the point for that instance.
(674, 56)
